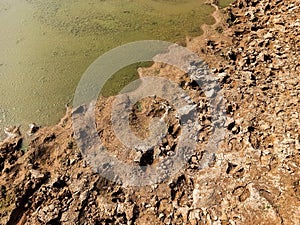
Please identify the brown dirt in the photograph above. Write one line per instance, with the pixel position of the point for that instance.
(253, 50)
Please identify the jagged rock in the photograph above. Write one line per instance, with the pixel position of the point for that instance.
(12, 132)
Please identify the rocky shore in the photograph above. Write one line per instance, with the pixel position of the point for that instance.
(253, 50)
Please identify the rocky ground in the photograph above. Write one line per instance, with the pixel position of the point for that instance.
(254, 179)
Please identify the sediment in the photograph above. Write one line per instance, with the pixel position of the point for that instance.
(253, 50)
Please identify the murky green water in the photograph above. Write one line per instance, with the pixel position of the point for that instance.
(46, 45)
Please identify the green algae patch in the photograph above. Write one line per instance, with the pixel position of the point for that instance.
(46, 46)
(121, 78)
(224, 3)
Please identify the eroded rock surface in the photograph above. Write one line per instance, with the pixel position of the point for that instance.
(254, 177)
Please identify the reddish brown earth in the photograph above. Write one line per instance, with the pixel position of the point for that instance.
(253, 50)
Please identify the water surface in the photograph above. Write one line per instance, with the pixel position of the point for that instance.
(46, 45)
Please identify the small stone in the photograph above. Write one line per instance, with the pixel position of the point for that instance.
(37, 174)
(210, 93)
(268, 36)
(33, 128)
(161, 215)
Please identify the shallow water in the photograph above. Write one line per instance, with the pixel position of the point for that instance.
(47, 45)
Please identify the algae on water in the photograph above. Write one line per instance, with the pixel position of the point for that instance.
(47, 45)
